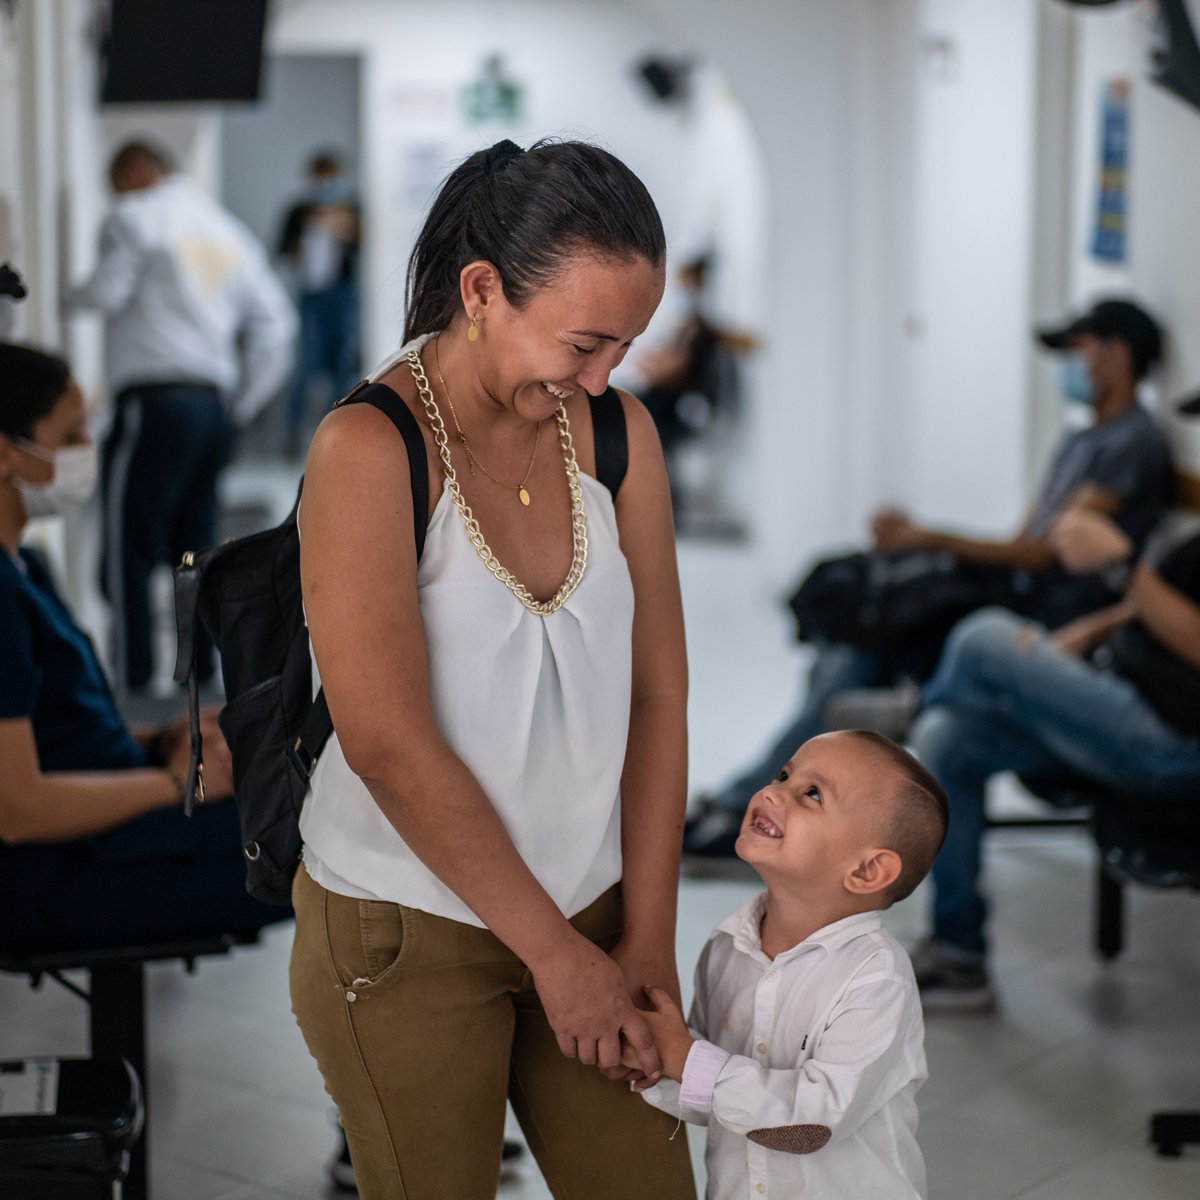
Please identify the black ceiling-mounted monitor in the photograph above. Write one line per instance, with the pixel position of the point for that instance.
(156, 50)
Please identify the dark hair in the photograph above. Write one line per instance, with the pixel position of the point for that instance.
(31, 384)
(920, 814)
(138, 153)
(325, 162)
(525, 211)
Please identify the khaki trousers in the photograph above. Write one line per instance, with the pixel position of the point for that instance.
(422, 1027)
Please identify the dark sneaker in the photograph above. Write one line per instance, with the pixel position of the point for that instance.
(952, 981)
(712, 833)
(341, 1171)
(509, 1157)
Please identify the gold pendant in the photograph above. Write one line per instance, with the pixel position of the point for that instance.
(523, 496)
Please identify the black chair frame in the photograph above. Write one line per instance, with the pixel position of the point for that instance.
(116, 1000)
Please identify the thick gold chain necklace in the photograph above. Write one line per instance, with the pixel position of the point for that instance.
(579, 538)
(472, 457)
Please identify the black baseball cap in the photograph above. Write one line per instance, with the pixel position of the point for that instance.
(1109, 320)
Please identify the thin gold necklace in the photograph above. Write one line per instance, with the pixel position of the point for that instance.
(579, 536)
(472, 457)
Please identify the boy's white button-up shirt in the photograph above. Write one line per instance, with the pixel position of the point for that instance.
(809, 1064)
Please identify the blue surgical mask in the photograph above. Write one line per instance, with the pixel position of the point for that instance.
(330, 191)
(1074, 381)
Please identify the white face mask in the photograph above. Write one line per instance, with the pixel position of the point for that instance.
(73, 482)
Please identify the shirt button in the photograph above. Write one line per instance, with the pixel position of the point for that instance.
(772, 974)
(761, 1047)
(760, 1188)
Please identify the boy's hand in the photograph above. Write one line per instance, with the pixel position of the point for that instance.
(671, 1036)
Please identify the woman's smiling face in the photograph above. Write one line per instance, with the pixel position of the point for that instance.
(571, 334)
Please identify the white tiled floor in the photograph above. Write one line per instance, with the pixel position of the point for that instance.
(1048, 1099)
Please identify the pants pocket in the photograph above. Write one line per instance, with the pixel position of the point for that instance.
(384, 932)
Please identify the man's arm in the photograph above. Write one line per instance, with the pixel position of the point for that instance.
(894, 530)
(269, 326)
(119, 266)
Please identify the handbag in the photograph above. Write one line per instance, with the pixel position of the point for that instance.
(899, 604)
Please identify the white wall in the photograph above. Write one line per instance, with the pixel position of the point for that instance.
(416, 61)
(1164, 182)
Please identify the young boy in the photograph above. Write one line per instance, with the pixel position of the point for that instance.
(805, 1050)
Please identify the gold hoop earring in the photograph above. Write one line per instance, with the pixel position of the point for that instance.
(473, 331)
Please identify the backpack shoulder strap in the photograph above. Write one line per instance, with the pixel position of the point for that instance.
(317, 724)
(389, 403)
(612, 439)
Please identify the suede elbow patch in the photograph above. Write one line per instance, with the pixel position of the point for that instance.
(792, 1139)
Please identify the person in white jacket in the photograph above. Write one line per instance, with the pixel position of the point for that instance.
(199, 337)
(806, 1042)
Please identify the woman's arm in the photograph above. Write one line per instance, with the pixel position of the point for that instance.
(358, 572)
(654, 779)
(64, 805)
(1086, 542)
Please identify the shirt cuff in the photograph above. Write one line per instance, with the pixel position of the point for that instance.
(700, 1070)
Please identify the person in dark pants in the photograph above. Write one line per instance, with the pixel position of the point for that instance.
(159, 502)
(320, 243)
(95, 848)
(199, 337)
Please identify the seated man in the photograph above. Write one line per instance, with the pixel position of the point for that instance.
(95, 848)
(1113, 697)
(1118, 465)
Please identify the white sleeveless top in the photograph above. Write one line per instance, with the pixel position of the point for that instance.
(536, 707)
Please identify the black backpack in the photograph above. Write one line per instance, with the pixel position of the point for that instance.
(246, 591)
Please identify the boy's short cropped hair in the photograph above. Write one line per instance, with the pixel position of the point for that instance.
(920, 814)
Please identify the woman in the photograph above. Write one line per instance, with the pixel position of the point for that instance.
(1113, 697)
(491, 857)
(95, 849)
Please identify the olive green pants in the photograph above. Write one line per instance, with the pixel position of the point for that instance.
(423, 1027)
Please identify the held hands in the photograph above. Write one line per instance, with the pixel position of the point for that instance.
(640, 963)
(671, 1036)
(589, 1007)
(1084, 540)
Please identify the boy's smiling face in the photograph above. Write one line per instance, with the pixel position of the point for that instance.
(825, 810)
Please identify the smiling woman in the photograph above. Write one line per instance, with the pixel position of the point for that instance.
(515, 699)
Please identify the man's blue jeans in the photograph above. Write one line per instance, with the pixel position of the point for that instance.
(995, 705)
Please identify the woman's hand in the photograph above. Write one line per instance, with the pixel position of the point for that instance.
(639, 965)
(671, 1036)
(1084, 540)
(589, 1007)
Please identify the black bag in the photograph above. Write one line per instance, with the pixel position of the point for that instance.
(896, 604)
(247, 593)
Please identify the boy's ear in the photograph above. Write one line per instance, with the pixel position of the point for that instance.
(877, 870)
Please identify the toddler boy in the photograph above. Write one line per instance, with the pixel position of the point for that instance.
(805, 1050)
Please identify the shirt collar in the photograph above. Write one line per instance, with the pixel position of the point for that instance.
(744, 925)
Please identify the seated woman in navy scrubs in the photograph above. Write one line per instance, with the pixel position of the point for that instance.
(95, 849)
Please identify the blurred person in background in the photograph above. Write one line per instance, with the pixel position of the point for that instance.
(199, 335)
(1117, 464)
(95, 847)
(320, 243)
